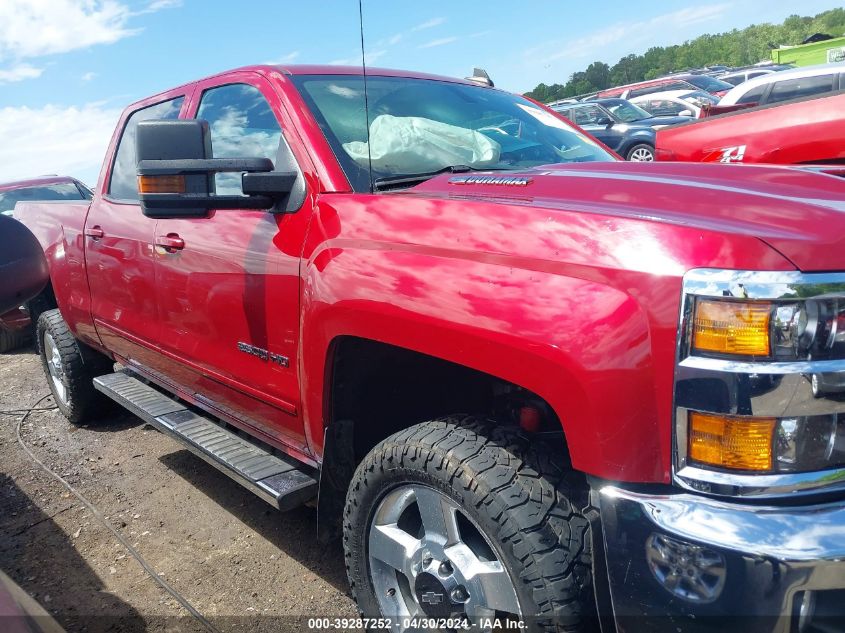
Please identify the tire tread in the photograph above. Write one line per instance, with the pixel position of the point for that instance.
(536, 503)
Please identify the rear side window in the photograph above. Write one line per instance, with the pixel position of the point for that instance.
(56, 191)
(753, 96)
(802, 87)
(242, 126)
(124, 176)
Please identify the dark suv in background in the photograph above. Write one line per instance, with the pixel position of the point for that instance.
(15, 325)
(632, 140)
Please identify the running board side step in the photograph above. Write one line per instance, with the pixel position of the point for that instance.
(277, 480)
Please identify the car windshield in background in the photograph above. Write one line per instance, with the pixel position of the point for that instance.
(709, 83)
(627, 111)
(700, 98)
(56, 191)
(420, 126)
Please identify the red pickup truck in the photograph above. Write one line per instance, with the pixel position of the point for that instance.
(810, 131)
(530, 382)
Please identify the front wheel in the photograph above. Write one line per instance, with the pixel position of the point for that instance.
(641, 152)
(459, 518)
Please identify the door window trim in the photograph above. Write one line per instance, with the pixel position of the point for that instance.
(265, 87)
(105, 193)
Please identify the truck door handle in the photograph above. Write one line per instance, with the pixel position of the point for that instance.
(95, 232)
(170, 242)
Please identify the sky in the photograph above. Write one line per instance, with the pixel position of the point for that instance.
(68, 67)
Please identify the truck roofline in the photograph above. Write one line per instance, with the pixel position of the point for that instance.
(311, 69)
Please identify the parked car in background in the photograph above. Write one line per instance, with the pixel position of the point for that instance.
(42, 188)
(626, 112)
(676, 103)
(704, 82)
(786, 85)
(632, 141)
(807, 131)
(644, 87)
(741, 75)
(15, 325)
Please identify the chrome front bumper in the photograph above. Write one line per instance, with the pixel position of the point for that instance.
(772, 557)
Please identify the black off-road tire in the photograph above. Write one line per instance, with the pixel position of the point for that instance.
(12, 339)
(80, 365)
(525, 501)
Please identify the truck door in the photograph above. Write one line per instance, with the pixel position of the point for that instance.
(228, 294)
(119, 246)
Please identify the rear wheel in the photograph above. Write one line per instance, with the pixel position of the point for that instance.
(70, 368)
(641, 152)
(11, 339)
(461, 518)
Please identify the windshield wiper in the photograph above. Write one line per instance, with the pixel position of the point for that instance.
(395, 182)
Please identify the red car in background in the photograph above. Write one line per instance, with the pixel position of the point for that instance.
(686, 81)
(14, 325)
(809, 131)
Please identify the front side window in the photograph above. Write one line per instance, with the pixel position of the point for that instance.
(124, 174)
(242, 126)
(55, 191)
(628, 112)
(801, 87)
(587, 115)
(417, 126)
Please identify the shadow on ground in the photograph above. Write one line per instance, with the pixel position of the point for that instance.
(38, 555)
(294, 532)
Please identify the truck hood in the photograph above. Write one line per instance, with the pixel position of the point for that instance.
(799, 213)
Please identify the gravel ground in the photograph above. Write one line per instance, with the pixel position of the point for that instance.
(239, 562)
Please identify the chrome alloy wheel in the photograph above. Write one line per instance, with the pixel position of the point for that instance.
(54, 366)
(641, 154)
(428, 559)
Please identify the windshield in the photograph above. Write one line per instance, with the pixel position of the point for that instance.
(418, 126)
(700, 98)
(709, 83)
(56, 191)
(627, 111)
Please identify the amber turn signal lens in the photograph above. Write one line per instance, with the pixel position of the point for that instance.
(731, 442)
(161, 184)
(732, 327)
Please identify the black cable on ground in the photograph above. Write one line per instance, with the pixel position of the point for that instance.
(132, 551)
(17, 412)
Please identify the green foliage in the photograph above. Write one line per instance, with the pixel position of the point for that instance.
(734, 48)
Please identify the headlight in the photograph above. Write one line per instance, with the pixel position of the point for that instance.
(759, 397)
(766, 445)
(809, 329)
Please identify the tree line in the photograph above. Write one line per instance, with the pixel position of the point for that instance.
(738, 47)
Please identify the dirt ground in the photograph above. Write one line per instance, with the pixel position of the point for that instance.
(239, 562)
